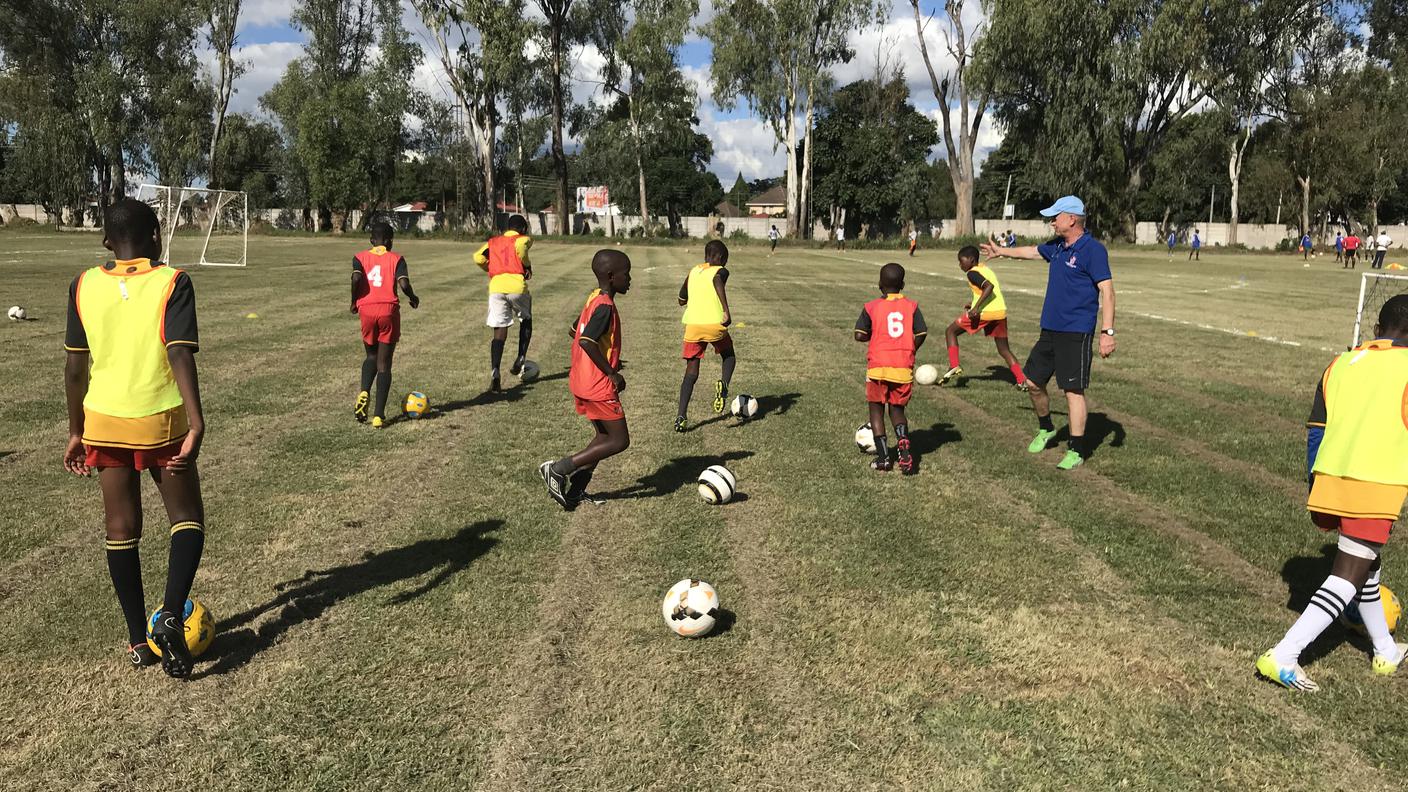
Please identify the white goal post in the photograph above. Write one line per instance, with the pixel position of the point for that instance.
(216, 219)
(1375, 288)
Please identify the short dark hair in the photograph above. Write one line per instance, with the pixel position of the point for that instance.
(517, 224)
(382, 231)
(130, 221)
(892, 276)
(969, 253)
(716, 250)
(1394, 315)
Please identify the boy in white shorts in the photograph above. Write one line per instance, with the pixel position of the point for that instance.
(505, 258)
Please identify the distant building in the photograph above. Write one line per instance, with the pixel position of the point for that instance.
(771, 203)
(726, 209)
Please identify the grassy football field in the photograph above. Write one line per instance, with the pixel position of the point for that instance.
(407, 608)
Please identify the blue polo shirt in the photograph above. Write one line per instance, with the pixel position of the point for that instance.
(1172, 240)
(1197, 243)
(1072, 299)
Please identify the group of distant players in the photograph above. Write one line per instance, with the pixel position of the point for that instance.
(1347, 248)
(134, 402)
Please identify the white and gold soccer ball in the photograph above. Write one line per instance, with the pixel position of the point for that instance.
(717, 485)
(691, 608)
(17, 314)
(926, 374)
(865, 439)
(743, 406)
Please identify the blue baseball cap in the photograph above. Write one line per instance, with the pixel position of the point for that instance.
(1066, 203)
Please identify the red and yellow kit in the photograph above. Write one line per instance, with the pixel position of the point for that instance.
(599, 323)
(125, 315)
(378, 303)
(503, 257)
(1361, 465)
(891, 324)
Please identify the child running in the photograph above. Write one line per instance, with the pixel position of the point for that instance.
(138, 408)
(505, 258)
(595, 381)
(889, 374)
(376, 274)
(987, 312)
(706, 320)
(1357, 452)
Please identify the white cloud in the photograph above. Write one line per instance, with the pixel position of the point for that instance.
(264, 13)
(742, 145)
(264, 65)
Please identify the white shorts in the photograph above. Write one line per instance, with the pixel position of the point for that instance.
(504, 307)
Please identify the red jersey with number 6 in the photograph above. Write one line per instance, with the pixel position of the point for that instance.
(893, 322)
(379, 268)
(602, 327)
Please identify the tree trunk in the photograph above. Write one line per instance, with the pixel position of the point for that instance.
(484, 143)
(804, 218)
(1304, 183)
(559, 157)
(518, 187)
(1129, 224)
(640, 165)
(1234, 175)
(794, 223)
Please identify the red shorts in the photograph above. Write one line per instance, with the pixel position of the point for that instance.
(886, 392)
(1362, 528)
(380, 325)
(997, 328)
(136, 459)
(610, 410)
(696, 349)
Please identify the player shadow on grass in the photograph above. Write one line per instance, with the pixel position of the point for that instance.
(1099, 427)
(1303, 576)
(517, 390)
(767, 405)
(994, 374)
(673, 475)
(308, 597)
(927, 441)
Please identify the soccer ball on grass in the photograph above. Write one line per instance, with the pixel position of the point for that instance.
(415, 405)
(926, 375)
(717, 485)
(743, 406)
(17, 314)
(691, 608)
(529, 372)
(865, 439)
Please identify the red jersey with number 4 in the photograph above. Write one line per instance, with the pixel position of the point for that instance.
(890, 353)
(379, 284)
(585, 379)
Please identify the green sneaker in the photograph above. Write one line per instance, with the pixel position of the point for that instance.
(1038, 443)
(1070, 460)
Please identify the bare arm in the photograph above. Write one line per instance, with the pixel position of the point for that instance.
(720, 278)
(684, 291)
(357, 278)
(1107, 316)
(183, 368)
(991, 250)
(75, 388)
(589, 345)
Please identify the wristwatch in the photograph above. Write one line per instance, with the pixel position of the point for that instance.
(1109, 331)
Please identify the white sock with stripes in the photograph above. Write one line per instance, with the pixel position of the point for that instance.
(1371, 610)
(1326, 605)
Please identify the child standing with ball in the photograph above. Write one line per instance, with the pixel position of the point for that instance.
(138, 408)
(893, 329)
(376, 273)
(986, 313)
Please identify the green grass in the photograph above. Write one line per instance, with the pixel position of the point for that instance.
(408, 608)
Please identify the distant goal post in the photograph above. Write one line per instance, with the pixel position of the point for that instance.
(206, 227)
(1375, 289)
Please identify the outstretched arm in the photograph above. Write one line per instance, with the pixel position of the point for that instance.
(991, 249)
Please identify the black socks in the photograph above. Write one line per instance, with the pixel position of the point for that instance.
(383, 389)
(187, 542)
(125, 567)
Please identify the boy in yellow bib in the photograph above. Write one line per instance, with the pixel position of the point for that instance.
(1357, 454)
(706, 320)
(138, 408)
(987, 312)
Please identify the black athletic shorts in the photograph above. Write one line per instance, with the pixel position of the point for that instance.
(1067, 355)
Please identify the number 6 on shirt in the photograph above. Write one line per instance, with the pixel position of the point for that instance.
(894, 323)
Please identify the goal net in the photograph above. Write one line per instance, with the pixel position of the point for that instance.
(1375, 289)
(200, 225)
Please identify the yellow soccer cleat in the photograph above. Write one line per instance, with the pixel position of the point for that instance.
(1292, 677)
(720, 397)
(359, 410)
(951, 376)
(1385, 667)
(377, 423)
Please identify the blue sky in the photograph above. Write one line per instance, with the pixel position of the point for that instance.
(742, 143)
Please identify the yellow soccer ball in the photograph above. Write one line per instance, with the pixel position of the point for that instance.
(200, 628)
(1393, 610)
(415, 405)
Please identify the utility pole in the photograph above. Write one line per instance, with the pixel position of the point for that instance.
(1211, 202)
(1006, 197)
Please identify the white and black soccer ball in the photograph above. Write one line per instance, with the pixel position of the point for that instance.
(691, 608)
(529, 372)
(926, 374)
(865, 439)
(743, 406)
(17, 314)
(717, 485)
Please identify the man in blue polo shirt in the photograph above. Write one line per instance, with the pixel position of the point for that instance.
(1078, 290)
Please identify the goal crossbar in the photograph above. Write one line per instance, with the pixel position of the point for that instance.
(205, 209)
(1375, 288)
